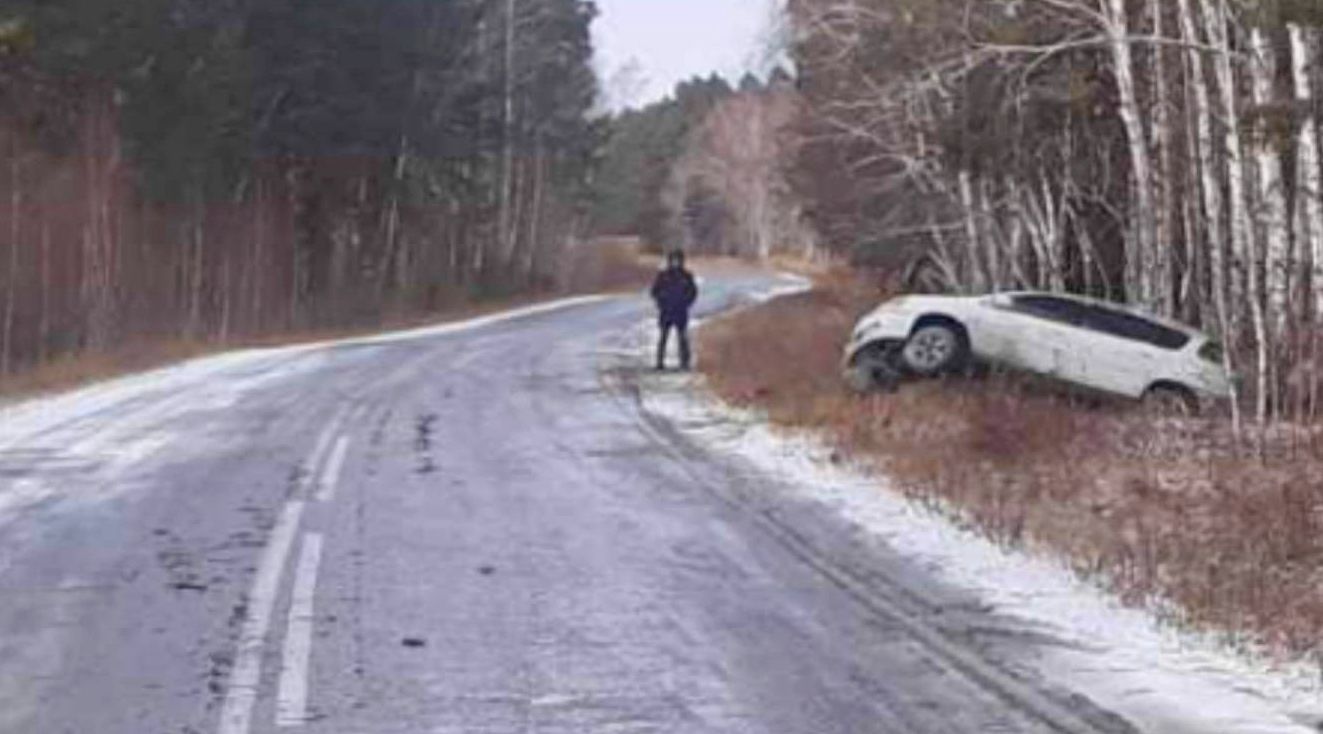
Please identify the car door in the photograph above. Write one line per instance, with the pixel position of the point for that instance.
(1066, 344)
(1034, 332)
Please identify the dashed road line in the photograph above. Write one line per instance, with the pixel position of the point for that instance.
(318, 454)
(245, 677)
(292, 695)
(331, 477)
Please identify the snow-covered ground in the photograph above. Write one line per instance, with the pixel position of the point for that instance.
(1162, 680)
(214, 381)
(116, 425)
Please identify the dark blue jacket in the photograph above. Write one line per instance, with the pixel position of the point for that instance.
(674, 291)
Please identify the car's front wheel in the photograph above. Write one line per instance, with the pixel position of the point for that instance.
(876, 367)
(934, 349)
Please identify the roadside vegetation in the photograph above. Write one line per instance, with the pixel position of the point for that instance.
(603, 266)
(209, 174)
(1169, 514)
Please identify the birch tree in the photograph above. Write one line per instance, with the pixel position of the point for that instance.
(1309, 206)
(1142, 261)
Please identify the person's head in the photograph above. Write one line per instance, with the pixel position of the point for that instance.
(675, 259)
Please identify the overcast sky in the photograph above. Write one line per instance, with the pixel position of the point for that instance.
(671, 40)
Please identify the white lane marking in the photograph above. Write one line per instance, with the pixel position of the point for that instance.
(331, 477)
(318, 456)
(241, 693)
(292, 696)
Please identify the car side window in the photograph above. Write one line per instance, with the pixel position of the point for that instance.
(1047, 307)
(1135, 328)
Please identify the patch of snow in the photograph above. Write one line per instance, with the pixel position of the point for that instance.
(1162, 680)
(790, 285)
(471, 324)
(24, 493)
(215, 381)
(112, 429)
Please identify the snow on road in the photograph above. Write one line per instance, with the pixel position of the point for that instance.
(1161, 680)
(216, 381)
(117, 424)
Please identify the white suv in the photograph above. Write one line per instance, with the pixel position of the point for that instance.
(1091, 343)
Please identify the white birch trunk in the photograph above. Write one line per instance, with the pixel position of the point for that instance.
(1020, 279)
(1216, 19)
(974, 280)
(1212, 188)
(1164, 256)
(44, 327)
(990, 241)
(1196, 295)
(1242, 232)
(1309, 206)
(1052, 229)
(15, 202)
(1140, 247)
(1273, 226)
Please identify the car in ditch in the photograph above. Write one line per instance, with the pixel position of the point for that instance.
(1086, 342)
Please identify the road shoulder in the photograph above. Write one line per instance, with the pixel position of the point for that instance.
(1024, 614)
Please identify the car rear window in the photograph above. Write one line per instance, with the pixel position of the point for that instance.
(1212, 353)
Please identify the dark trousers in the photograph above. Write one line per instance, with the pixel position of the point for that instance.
(681, 327)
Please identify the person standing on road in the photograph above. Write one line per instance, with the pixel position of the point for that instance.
(674, 291)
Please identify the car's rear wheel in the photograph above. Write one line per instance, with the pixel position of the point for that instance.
(876, 367)
(935, 348)
(1171, 400)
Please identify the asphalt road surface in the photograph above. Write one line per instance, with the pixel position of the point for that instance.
(469, 532)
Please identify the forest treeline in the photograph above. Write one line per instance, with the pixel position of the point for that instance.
(1164, 152)
(211, 170)
(171, 168)
(707, 169)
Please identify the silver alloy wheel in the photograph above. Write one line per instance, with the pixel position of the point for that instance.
(932, 349)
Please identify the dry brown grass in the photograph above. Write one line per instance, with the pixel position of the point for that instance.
(1161, 511)
(610, 264)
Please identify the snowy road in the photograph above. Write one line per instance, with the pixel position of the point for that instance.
(466, 530)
